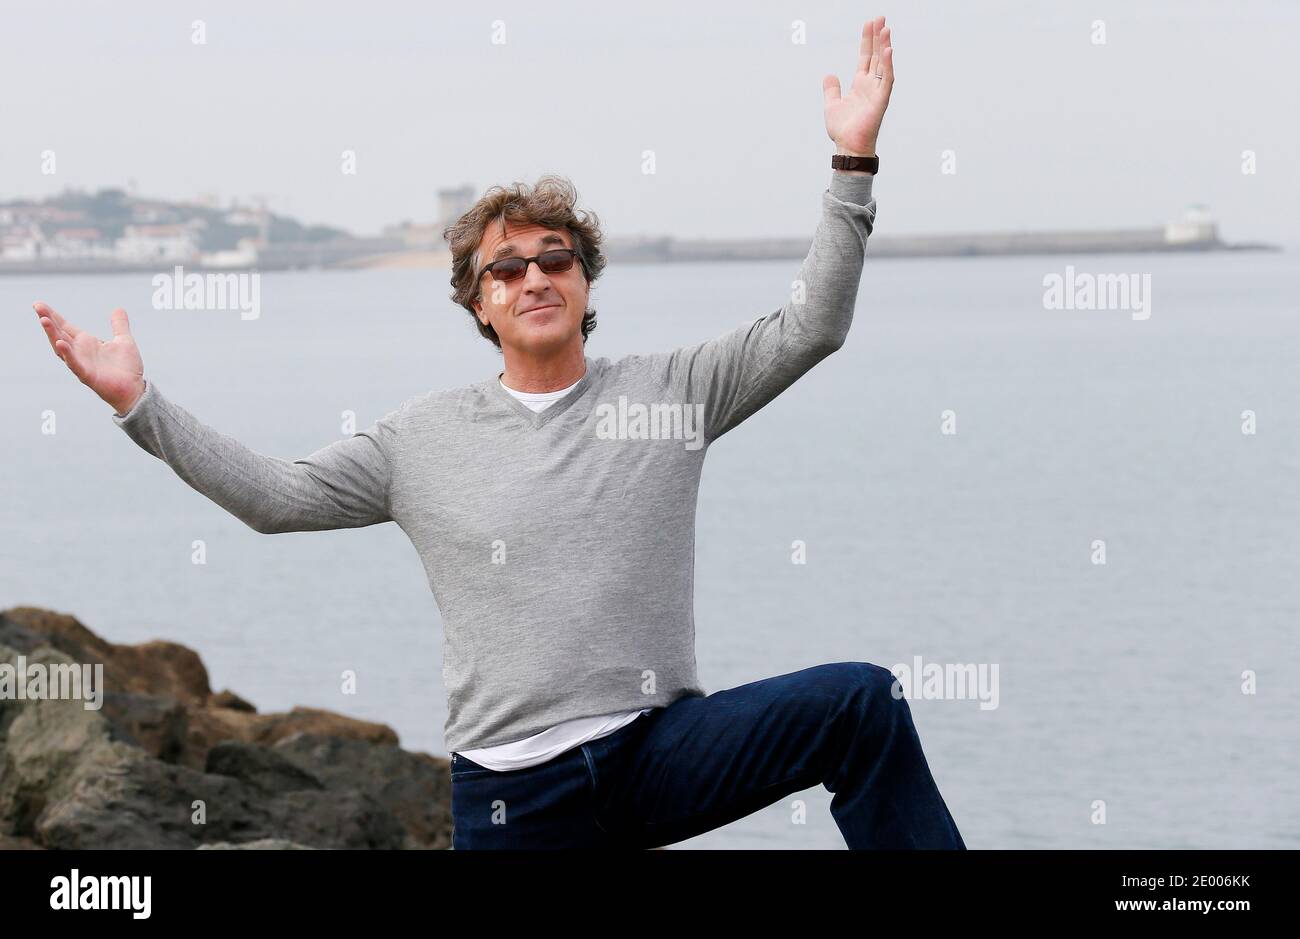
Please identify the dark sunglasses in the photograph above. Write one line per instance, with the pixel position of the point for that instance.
(554, 261)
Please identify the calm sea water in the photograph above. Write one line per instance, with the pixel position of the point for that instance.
(1118, 683)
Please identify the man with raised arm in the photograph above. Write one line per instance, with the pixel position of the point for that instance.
(553, 506)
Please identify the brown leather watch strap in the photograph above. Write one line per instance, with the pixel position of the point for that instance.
(842, 161)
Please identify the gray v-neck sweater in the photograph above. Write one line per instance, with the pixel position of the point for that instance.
(559, 545)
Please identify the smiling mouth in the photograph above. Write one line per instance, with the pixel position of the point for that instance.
(539, 309)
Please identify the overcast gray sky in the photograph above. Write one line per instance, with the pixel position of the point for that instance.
(1048, 129)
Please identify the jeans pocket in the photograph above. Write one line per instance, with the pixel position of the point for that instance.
(462, 768)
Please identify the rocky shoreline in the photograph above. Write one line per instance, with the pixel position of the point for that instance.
(167, 763)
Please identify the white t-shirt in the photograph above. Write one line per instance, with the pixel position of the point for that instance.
(553, 741)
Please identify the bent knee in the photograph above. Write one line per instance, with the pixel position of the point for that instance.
(874, 682)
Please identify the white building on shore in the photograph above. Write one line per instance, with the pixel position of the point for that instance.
(141, 244)
(79, 243)
(243, 255)
(22, 243)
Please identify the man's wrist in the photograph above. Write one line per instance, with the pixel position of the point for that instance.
(869, 152)
(846, 151)
(131, 402)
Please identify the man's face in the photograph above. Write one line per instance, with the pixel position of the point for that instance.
(537, 312)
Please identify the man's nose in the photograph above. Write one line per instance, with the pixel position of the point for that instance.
(535, 278)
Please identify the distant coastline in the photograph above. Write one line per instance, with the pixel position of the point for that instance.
(363, 256)
(112, 233)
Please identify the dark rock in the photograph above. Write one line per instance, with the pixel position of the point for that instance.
(165, 763)
(155, 723)
(228, 699)
(149, 668)
(261, 767)
(262, 844)
(414, 787)
(15, 843)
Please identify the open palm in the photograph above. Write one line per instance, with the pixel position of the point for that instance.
(853, 121)
(112, 369)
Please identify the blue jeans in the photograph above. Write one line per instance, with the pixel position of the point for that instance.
(705, 761)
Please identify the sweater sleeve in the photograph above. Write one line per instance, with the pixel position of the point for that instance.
(735, 374)
(343, 485)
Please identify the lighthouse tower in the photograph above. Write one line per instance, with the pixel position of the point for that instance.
(1196, 226)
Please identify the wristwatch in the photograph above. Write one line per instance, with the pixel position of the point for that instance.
(842, 161)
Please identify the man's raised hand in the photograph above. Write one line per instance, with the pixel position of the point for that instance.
(112, 369)
(853, 121)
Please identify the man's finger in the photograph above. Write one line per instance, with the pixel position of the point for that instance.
(51, 331)
(64, 351)
(54, 332)
(866, 45)
(877, 47)
(886, 60)
(68, 329)
(830, 89)
(121, 326)
(47, 322)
